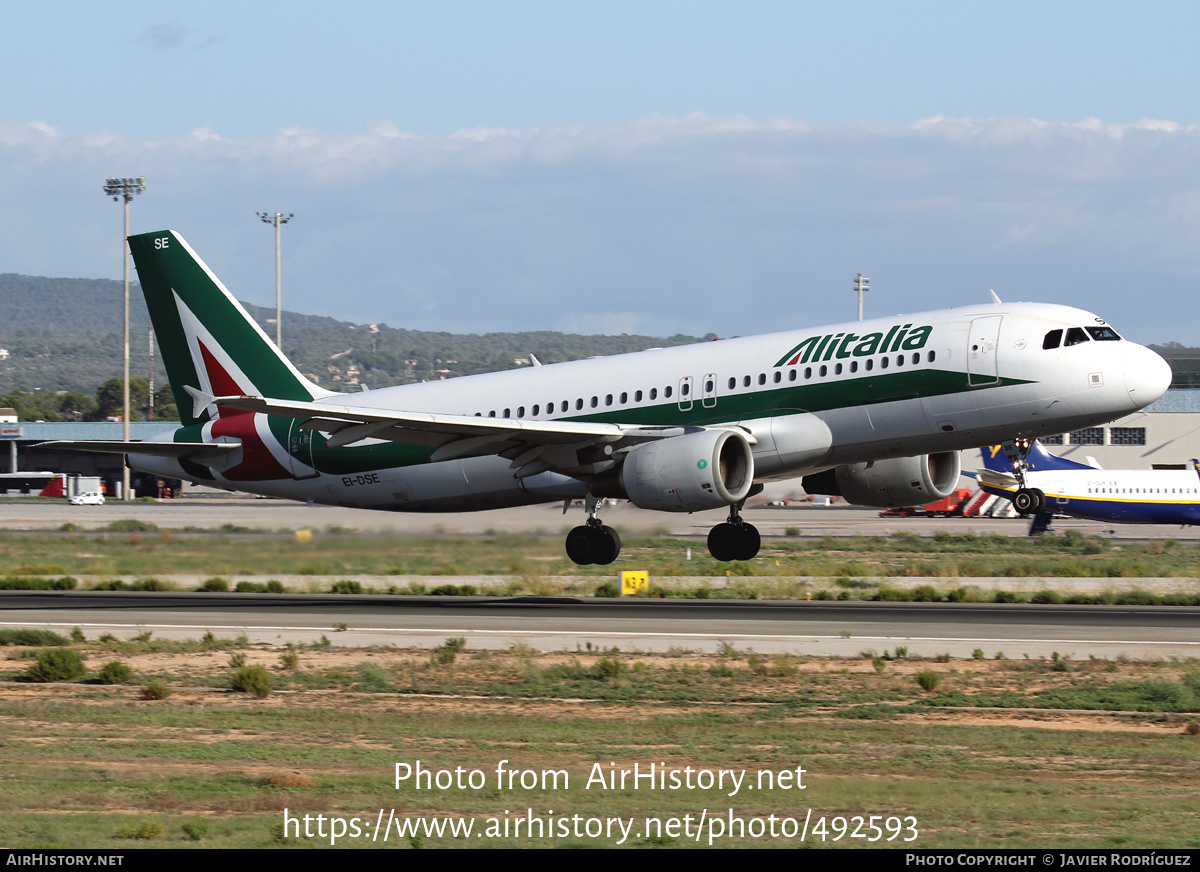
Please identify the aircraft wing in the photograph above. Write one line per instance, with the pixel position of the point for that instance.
(191, 450)
(530, 445)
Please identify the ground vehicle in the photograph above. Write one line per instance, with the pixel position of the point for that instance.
(88, 498)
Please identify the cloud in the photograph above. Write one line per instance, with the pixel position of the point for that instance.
(660, 224)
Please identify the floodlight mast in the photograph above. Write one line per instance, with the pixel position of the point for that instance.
(126, 189)
(277, 219)
(862, 284)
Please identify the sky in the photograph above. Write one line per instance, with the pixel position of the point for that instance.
(651, 167)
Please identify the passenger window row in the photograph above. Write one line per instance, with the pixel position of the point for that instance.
(565, 406)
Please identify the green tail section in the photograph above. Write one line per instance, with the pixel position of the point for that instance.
(208, 341)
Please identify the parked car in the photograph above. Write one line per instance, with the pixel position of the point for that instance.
(88, 498)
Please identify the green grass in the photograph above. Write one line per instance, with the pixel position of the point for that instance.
(118, 765)
(532, 559)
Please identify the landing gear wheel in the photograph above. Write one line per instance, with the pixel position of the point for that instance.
(722, 542)
(729, 541)
(608, 545)
(580, 546)
(1029, 501)
(593, 543)
(749, 542)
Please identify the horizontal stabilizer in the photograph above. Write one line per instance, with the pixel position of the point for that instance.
(997, 479)
(192, 450)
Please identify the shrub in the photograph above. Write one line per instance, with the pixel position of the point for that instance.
(252, 679)
(610, 668)
(131, 525)
(372, 679)
(1007, 596)
(215, 585)
(928, 679)
(1046, 597)
(289, 659)
(445, 653)
(155, 690)
(115, 672)
(346, 586)
(274, 586)
(249, 587)
(454, 590)
(33, 638)
(57, 664)
(66, 582)
(608, 589)
(195, 831)
(237, 659)
(146, 830)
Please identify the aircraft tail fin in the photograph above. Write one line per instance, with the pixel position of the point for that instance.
(1039, 459)
(210, 344)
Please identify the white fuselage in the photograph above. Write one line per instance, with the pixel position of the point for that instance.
(1147, 496)
(978, 375)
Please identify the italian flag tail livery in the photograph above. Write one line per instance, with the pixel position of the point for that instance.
(210, 344)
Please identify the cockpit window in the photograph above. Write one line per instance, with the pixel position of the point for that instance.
(1075, 336)
(1053, 339)
(1103, 334)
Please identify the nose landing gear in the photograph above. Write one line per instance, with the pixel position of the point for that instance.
(1027, 500)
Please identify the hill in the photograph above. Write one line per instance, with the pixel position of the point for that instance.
(65, 335)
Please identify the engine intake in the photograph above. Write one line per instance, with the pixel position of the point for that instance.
(705, 470)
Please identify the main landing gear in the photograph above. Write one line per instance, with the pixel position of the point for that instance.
(596, 543)
(592, 541)
(1027, 500)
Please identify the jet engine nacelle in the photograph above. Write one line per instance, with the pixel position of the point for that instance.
(900, 481)
(705, 470)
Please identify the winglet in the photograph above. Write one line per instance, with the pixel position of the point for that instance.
(995, 299)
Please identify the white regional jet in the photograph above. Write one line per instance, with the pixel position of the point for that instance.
(875, 411)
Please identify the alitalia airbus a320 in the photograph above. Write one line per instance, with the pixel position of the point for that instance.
(874, 411)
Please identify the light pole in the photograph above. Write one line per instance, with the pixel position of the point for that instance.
(278, 219)
(125, 189)
(861, 285)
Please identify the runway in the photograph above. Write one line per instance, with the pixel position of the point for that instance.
(569, 625)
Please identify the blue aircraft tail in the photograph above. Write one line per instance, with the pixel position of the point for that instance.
(1039, 459)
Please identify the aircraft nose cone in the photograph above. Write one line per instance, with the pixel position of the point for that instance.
(1147, 375)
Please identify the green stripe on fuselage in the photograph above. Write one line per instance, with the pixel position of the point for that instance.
(742, 406)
